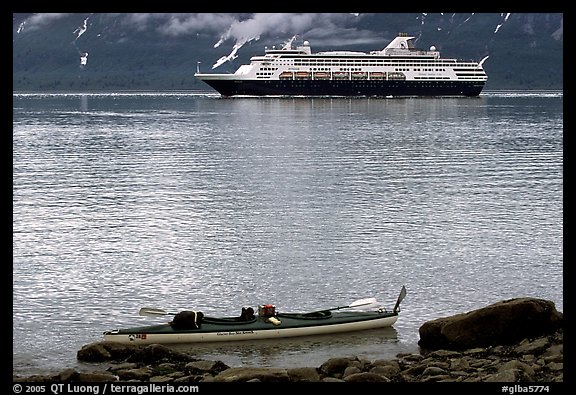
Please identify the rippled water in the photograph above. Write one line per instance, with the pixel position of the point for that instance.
(191, 201)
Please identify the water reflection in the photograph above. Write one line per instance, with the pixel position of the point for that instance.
(290, 352)
(83, 103)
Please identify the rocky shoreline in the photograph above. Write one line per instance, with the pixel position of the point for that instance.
(525, 345)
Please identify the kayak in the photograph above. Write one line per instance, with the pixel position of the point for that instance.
(266, 324)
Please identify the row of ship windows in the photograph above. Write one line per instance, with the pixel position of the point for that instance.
(418, 69)
(470, 74)
(368, 84)
(270, 73)
(356, 75)
(411, 63)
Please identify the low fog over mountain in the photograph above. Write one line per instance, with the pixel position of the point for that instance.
(79, 52)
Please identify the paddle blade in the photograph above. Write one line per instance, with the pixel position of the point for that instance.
(365, 304)
(149, 311)
(400, 299)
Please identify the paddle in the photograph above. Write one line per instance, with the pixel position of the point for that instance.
(150, 311)
(357, 303)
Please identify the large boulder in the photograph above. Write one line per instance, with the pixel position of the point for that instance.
(501, 323)
(243, 374)
(105, 351)
(113, 351)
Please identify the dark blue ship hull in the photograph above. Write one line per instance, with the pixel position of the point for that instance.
(229, 87)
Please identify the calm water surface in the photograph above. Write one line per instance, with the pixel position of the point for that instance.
(192, 201)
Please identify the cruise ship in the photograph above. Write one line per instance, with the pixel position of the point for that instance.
(400, 69)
